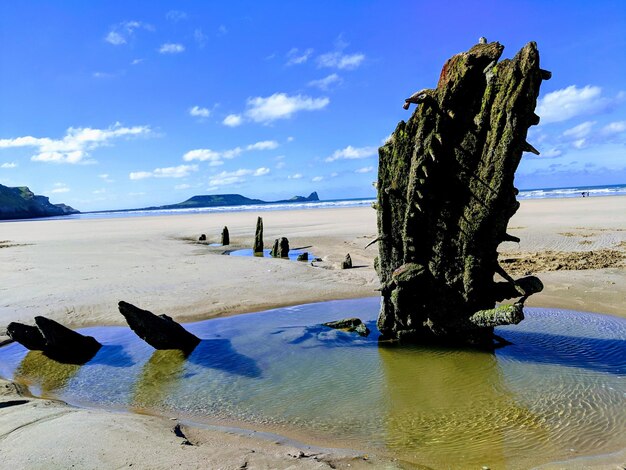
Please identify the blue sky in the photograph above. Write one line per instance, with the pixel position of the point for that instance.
(111, 104)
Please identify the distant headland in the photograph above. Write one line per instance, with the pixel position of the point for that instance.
(22, 203)
(219, 200)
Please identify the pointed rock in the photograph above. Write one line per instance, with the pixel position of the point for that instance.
(55, 340)
(160, 332)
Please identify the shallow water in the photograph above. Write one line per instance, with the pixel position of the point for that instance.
(558, 392)
(293, 254)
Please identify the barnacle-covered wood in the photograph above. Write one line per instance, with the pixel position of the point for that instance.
(446, 194)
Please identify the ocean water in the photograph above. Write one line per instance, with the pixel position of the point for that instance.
(541, 193)
(557, 393)
(574, 191)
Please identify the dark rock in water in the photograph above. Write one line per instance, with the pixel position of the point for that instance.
(349, 324)
(258, 236)
(225, 236)
(347, 262)
(303, 256)
(362, 330)
(28, 336)
(160, 332)
(202, 238)
(63, 341)
(281, 248)
(55, 340)
(445, 197)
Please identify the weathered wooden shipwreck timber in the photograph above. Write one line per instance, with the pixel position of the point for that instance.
(281, 248)
(159, 331)
(258, 236)
(54, 340)
(445, 197)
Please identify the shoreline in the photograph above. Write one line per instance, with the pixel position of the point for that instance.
(75, 271)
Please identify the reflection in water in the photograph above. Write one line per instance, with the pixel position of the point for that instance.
(559, 391)
(157, 379)
(453, 406)
(167, 370)
(43, 375)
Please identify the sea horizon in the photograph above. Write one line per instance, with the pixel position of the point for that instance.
(524, 194)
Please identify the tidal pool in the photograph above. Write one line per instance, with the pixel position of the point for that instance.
(557, 393)
(293, 254)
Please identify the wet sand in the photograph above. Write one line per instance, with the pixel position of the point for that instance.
(75, 271)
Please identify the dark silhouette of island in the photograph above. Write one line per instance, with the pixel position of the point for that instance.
(220, 200)
(22, 203)
(216, 200)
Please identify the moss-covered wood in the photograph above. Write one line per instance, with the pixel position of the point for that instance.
(446, 194)
(258, 236)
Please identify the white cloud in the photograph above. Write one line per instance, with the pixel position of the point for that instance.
(179, 171)
(203, 155)
(99, 191)
(326, 82)
(176, 15)
(263, 145)
(216, 158)
(352, 153)
(334, 174)
(8, 165)
(280, 165)
(171, 48)
(296, 57)
(340, 60)
(115, 38)
(281, 106)
(226, 178)
(182, 186)
(580, 131)
(614, 128)
(222, 30)
(367, 169)
(315, 179)
(564, 104)
(107, 75)
(197, 111)
(75, 145)
(60, 188)
(297, 176)
(200, 38)
(137, 61)
(106, 178)
(232, 120)
(290, 139)
(122, 32)
(552, 153)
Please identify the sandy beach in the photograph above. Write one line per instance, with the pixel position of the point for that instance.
(76, 271)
